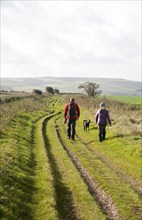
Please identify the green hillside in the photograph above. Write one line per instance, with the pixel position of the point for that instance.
(70, 84)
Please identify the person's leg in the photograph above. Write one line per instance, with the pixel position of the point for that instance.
(100, 132)
(104, 132)
(73, 128)
(69, 128)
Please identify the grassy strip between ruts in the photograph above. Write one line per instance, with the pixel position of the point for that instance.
(107, 178)
(44, 204)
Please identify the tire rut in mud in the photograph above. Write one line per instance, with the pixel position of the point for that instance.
(103, 199)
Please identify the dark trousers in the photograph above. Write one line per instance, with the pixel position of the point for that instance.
(102, 132)
(71, 128)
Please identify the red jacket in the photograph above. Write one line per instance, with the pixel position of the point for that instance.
(66, 112)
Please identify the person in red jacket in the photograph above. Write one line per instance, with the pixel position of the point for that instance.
(71, 114)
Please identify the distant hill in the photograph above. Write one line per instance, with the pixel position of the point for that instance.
(108, 86)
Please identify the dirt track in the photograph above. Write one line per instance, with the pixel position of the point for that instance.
(103, 199)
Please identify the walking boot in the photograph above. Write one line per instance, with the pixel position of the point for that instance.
(73, 137)
(100, 138)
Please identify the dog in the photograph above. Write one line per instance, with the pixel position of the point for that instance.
(86, 124)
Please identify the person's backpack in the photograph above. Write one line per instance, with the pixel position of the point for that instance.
(72, 110)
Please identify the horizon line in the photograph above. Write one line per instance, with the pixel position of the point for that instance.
(33, 77)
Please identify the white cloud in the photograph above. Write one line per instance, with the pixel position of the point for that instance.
(71, 38)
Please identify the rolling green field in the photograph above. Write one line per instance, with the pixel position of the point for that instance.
(45, 176)
(128, 99)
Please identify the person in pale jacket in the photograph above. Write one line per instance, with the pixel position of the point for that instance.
(102, 119)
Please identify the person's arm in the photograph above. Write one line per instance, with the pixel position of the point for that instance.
(65, 114)
(65, 111)
(108, 118)
(96, 116)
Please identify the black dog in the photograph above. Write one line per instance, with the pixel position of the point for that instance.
(86, 124)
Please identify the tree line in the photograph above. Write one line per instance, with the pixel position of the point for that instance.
(90, 88)
(48, 90)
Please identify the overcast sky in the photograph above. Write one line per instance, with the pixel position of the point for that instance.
(71, 38)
